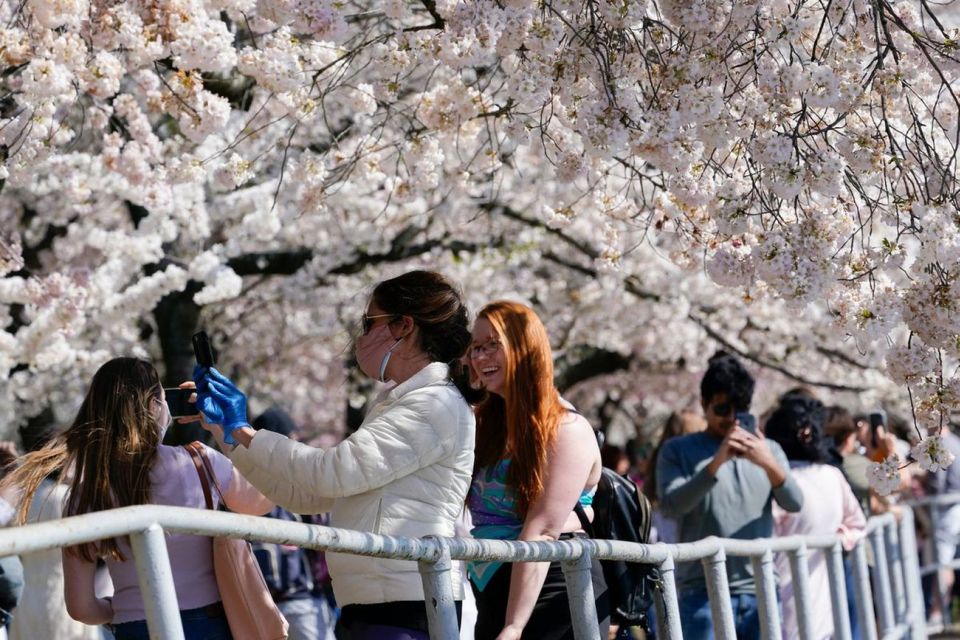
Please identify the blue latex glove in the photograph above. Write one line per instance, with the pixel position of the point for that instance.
(205, 403)
(230, 400)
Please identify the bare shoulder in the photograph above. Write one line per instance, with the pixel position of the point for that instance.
(575, 430)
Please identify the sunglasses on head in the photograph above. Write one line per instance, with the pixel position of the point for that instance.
(366, 322)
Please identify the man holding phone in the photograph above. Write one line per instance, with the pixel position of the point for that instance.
(722, 482)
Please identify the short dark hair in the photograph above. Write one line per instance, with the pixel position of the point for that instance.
(797, 426)
(839, 423)
(277, 420)
(726, 375)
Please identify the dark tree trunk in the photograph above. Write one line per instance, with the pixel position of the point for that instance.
(178, 318)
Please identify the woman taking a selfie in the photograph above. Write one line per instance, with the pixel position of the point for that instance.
(112, 457)
(404, 472)
(536, 459)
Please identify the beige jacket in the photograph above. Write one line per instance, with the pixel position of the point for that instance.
(405, 472)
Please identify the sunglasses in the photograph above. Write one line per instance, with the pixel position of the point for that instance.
(723, 409)
(366, 322)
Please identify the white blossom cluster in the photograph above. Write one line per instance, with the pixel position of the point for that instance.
(657, 179)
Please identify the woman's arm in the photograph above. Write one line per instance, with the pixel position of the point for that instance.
(573, 461)
(243, 497)
(296, 498)
(417, 431)
(79, 590)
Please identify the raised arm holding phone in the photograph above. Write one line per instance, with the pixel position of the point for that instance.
(404, 472)
(723, 482)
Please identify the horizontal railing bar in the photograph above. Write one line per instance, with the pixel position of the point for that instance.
(119, 522)
(943, 498)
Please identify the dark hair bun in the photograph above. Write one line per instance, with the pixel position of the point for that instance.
(437, 308)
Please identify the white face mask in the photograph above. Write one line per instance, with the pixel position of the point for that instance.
(164, 419)
(374, 350)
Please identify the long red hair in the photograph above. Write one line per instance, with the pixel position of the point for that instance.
(522, 424)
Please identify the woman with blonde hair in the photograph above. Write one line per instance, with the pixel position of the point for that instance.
(536, 458)
(111, 457)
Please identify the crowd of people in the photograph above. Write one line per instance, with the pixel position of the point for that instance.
(469, 433)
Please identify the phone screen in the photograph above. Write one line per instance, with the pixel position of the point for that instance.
(178, 402)
(877, 420)
(747, 421)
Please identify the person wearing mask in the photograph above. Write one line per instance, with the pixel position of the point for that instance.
(829, 506)
(536, 459)
(723, 482)
(404, 472)
(114, 438)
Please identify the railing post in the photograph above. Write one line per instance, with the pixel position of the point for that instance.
(891, 538)
(916, 615)
(864, 594)
(718, 590)
(583, 605)
(668, 604)
(838, 593)
(767, 595)
(942, 595)
(438, 593)
(800, 572)
(156, 584)
(881, 583)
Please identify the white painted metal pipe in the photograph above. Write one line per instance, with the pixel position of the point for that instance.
(881, 583)
(583, 606)
(767, 603)
(800, 573)
(863, 592)
(438, 594)
(718, 590)
(156, 584)
(838, 593)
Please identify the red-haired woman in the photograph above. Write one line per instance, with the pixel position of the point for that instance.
(535, 460)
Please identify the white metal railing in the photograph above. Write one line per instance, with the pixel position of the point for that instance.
(896, 612)
(932, 508)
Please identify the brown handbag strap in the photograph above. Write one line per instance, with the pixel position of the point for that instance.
(201, 452)
(197, 456)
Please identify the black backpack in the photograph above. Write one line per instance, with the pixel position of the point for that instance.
(622, 512)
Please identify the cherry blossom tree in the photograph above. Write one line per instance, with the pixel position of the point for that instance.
(657, 178)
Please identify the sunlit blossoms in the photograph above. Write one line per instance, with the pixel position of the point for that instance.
(932, 455)
(659, 179)
(884, 477)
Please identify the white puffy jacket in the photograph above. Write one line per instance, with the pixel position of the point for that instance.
(405, 472)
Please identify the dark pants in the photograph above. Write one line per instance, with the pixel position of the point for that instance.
(550, 619)
(205, 623)
(696, 618)
(364, 631)
(398, 620)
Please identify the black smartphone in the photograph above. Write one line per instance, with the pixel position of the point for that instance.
(202, 349)
(747, 421)
(877, 419)
(178, 402)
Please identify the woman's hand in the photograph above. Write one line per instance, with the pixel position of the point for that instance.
(220, 401)
(242, 435)
(213, 427)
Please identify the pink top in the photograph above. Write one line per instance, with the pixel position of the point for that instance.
(829, 506)
(174, 482)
